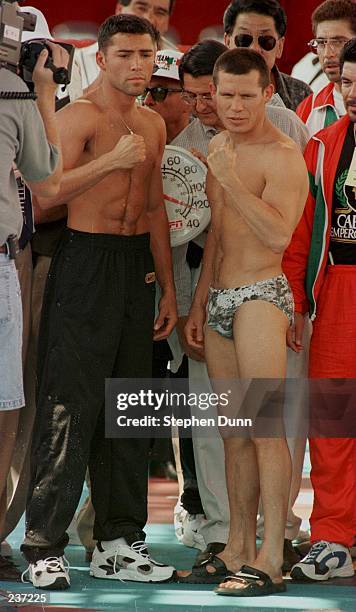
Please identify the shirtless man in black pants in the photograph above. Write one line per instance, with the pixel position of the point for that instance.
(98, 316)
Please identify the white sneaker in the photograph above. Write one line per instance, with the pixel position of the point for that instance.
(191, 536)
(179, 515)
(49, 573)
(120, 561)
(324, 560)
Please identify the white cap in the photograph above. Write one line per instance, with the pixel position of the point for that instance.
(41, 30)
(166, 63)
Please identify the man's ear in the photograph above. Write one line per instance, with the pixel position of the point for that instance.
(268, 92)
(101, 60)
(118, 8)
(212, 88)
(227, 40)
(280, 47)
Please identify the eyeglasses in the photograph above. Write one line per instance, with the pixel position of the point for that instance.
(266, 42)
(191, 98)
(159, 94)
(318, 45)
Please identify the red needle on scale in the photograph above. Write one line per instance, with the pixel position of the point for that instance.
(179, 202)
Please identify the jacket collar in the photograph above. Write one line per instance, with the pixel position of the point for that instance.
(325, 97)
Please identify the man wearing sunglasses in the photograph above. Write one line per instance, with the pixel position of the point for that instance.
(334, 23)
(164, 93)
(261, 25)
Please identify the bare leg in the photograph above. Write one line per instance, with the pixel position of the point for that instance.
(240, 464)
(243, 490)
(8, 429)
(259, 338)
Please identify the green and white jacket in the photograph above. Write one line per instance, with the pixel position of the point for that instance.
(306, 258)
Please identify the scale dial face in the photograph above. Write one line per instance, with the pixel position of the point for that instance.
(188, 210)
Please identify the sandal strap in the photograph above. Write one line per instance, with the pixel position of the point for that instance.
(247, 574)
(252, 573)
(213, 560)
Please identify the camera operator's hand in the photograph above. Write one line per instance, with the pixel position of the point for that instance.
(43, 77)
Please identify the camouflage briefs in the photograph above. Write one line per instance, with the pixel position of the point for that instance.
(224, 303)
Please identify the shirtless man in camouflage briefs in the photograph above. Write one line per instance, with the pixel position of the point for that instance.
(249, 304)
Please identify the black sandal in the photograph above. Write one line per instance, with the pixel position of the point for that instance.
(250, 577)
(201, 575)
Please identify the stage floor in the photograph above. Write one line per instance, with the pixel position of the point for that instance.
(87, 593)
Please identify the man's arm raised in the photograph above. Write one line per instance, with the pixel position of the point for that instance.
(78, 123)
(274, 216)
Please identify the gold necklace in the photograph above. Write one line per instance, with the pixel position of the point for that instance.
(126, 126)
(109, 107)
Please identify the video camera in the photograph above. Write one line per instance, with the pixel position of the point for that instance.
(12, 23)
(22, 57)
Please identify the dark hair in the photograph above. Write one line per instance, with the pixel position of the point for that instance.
(272, 8)
(124, 24)
(348, 54)
(200, 59)
(128, 2)
(333, 10)
(242, 61)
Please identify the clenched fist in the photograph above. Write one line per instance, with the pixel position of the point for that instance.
(128, 152)
(222, 162)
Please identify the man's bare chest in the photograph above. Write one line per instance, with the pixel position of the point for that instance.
(107, 136)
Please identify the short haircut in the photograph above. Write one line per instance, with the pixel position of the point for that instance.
(333, 10)
(271, 8)
(128, 2)
(124, 24)
(242, 61)
(348, 54)
(200, 59)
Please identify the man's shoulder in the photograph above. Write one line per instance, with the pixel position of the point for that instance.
(286, 114)
(11, 82)
(218, 140)
(84, 104)
(333, 132)
(285, 150)
(192, 128)
(291, 90)
(149, 115)
(193, 136)
(294, 83)
(82, 111)
(152, 120)
(290, 124)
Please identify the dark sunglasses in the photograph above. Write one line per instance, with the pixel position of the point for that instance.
(159, 94)
(266, 42)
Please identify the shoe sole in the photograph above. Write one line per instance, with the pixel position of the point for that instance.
(297, 574)
(261, 593)
(129, 578)
(60, 584)
(213, 579)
